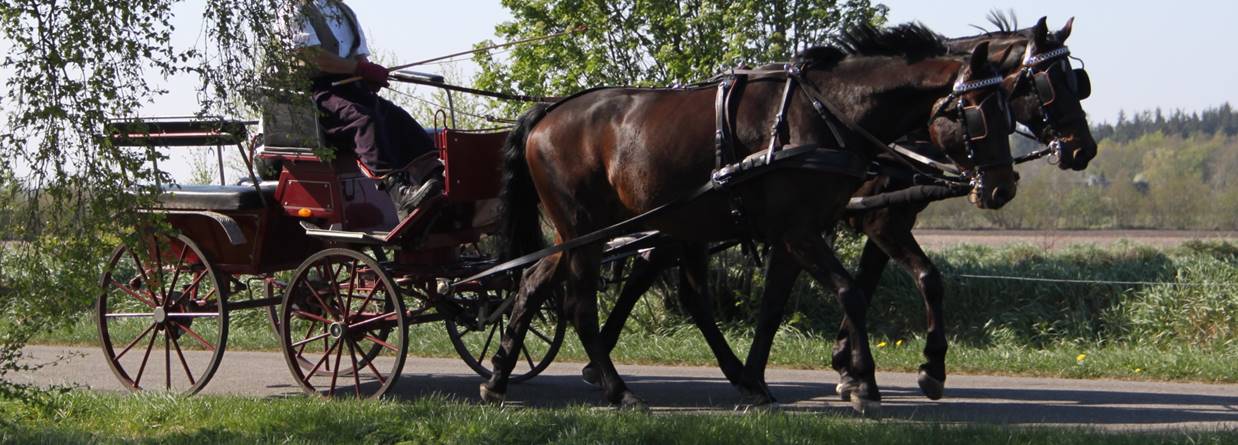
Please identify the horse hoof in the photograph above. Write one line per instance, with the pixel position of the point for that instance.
(932, 388)
(866, 408)
(844, 390)
(591, 376)
(492, 397)
(632, 403)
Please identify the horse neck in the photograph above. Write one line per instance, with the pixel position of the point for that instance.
(888, 97)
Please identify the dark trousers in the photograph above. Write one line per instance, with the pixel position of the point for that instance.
(384, 136)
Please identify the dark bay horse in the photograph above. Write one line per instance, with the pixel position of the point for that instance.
(1045, 96)
(1050, 109)
(607, 155)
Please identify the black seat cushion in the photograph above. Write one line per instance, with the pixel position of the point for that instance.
(216, 197)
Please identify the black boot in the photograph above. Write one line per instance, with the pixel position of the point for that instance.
(407, 195)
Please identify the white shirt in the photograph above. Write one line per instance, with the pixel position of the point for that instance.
(338, 21)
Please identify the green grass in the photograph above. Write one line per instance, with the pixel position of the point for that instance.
(793, 349)
(82, 417)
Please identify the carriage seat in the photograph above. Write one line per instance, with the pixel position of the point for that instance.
(216, 197)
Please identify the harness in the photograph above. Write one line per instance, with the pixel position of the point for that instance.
(1037, 69)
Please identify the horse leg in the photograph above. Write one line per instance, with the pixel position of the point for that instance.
(694, 297)
(814, 255)
(780, 274)
(873, 262)
(581, 305)
(644, 273)
(903, 248)
(537, 283)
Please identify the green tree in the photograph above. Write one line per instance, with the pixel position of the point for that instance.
(657, 42)
(71, 65)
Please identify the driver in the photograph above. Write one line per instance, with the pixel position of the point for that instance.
(385, 137)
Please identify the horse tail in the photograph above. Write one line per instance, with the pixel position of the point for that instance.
(520, 227)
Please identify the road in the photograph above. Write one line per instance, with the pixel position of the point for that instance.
(1105, 404)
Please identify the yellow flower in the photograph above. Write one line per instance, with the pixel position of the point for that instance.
(881, 345)
(1080, 358)
(1138, 370)
(898, 343)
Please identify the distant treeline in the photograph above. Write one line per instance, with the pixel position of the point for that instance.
(1212, 121)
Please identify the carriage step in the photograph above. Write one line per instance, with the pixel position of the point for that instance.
(368, 238)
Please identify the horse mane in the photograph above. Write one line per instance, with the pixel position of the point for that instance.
(1005, 24)
(912, 41)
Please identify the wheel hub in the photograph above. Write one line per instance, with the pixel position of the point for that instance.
(337, 330)
(161, 315)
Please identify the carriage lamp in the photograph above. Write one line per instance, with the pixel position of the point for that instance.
(305, 213)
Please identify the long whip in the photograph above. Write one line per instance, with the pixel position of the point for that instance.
(575, 30)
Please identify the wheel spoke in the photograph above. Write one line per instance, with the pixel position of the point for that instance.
(324, 358)
(159, 267)
(356, 372)
(339, 352)
(382, 343)
(133, 293)
(194, 285)
(135, 341)
(184, 364)
(322, 302)
(137, 383)
(301, 351)
(177, 275)
(539, 334)
(352, 282)
(310, 340)
(365, 304)
(372, 320)
(527, 357)
(489, 339)
(313, 317)
(167, 362)
(195, 335)
(370, 364)
(129, 315)
(194, 315)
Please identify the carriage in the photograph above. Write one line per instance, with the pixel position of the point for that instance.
(345, 285)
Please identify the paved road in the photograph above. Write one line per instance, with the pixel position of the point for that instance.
(969, 399)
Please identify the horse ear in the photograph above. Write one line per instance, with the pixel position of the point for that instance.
(1066, 30)
(1040, 32)
(979, 57)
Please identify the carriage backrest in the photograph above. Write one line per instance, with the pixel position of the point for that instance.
(472, 163)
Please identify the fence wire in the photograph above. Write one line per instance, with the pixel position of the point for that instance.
(1107, 282)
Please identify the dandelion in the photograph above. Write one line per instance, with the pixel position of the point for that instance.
(882, 344)
(899, 343)
(1138, 370)
(1080, 358)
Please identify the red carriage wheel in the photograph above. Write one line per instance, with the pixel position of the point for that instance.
(338, 317)
(476, 335)
(162, 315)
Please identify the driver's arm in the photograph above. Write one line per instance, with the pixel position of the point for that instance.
(327, 62)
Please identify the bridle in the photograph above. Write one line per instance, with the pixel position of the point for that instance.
(975, 126)
(1037, 70)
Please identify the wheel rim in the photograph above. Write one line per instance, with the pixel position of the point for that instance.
(162, 315)
(475, 344)
(338, 313)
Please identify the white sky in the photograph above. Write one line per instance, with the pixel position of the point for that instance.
(1141, 54)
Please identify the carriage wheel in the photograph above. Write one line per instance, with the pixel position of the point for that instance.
(162, 315)
(338, 314)
(474, 339)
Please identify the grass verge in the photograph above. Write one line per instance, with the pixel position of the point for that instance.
(793, 349)
(81, 417)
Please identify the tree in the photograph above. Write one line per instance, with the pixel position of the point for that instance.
(658, 42)
(72, 65)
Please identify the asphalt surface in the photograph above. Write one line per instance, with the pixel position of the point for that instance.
(1105, 404)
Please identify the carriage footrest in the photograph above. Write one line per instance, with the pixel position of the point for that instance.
(369, 238)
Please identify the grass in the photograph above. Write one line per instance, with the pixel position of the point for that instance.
(799, 350)
(82, 417)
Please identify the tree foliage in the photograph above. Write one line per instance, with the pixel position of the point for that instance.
(71, 66)
(657, 42)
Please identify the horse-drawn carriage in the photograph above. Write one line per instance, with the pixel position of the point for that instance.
(342, 279)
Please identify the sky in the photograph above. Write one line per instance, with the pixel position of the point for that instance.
(1141, 54)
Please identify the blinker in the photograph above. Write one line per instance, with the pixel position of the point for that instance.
(1083, 83)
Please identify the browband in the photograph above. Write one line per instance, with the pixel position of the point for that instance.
(963, 87)
(1037, 59)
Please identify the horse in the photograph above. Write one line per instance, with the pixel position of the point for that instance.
(1045, 96)
(1058, 122)
(607, 155)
